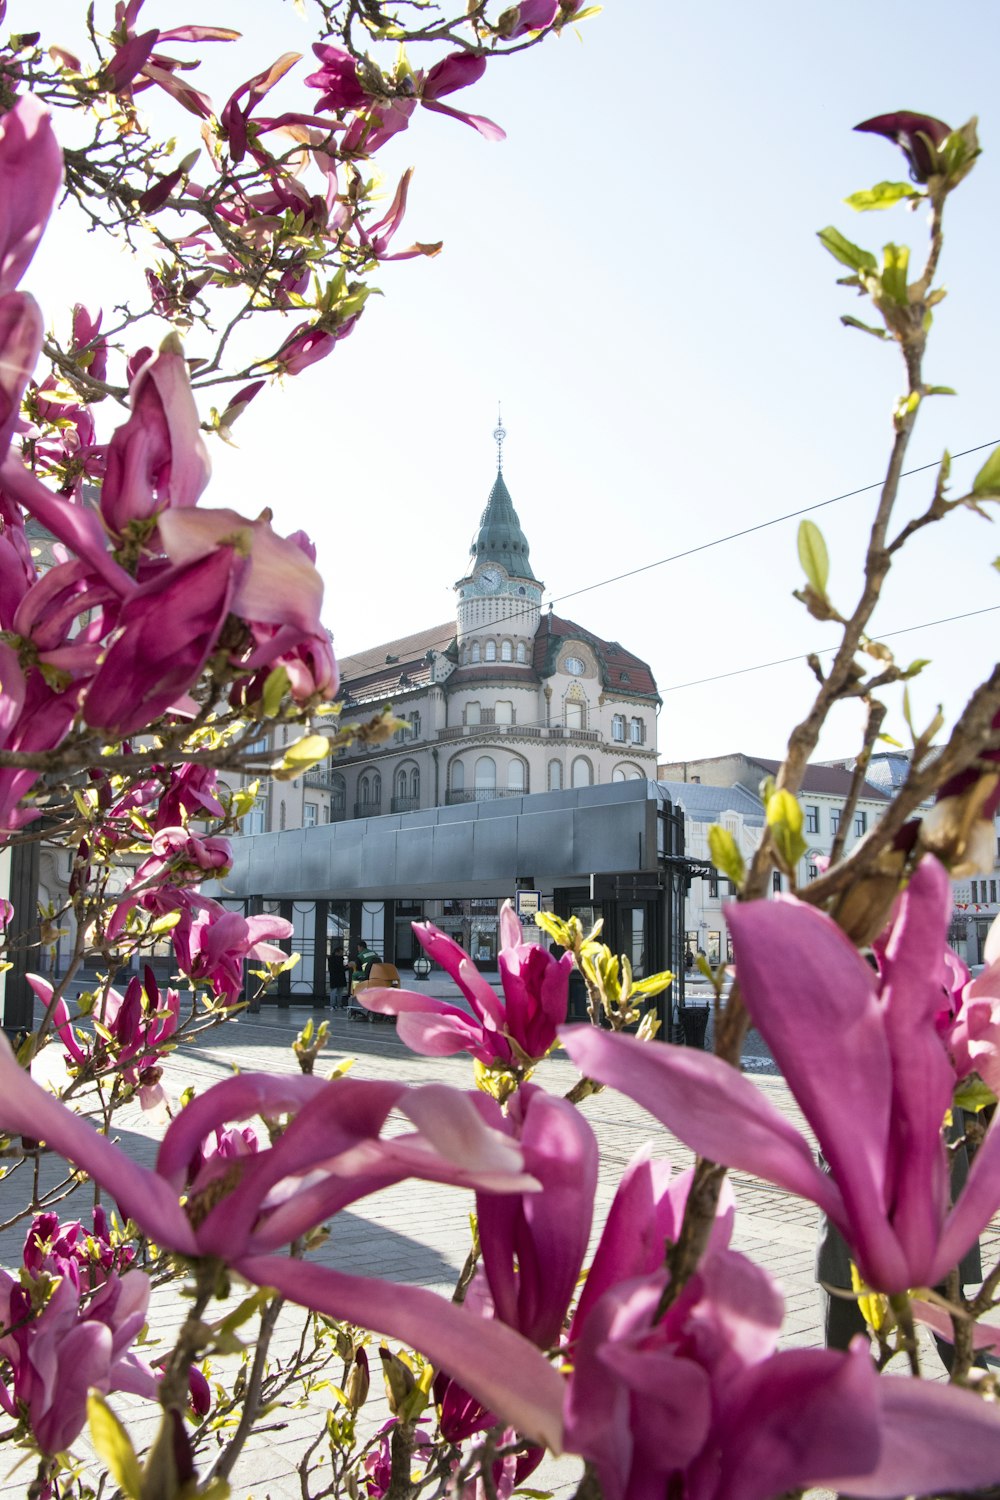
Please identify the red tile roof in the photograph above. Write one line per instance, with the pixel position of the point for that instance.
(621, 672)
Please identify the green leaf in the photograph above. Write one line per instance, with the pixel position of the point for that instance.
(849, 322)
(987, 481)
(973, 1095)
(276, 686)
(301, 756)
(813, 556)
(784, 819)
(882, 195)
(843, 250)
(889, 739)
(917, 666)
(940, 390)
(115, 1446)
(895, 265)
(725, 855)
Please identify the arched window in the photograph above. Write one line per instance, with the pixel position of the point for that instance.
(338, 792)
(506, 651)
(376, 789)
(627, 772)
(474, 654)
(618, 728)
(415, 784)
(618, 774)
(503, 712)
(522, 651)
(457, 774)
(516, 780)
(574, 714)
(415, 725)
(582, 773)
(555, 776)
(486, 774)
(364, 790)
(473, 714)
(491, 650)
(400, 782)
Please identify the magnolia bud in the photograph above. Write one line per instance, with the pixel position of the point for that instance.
(399, 1378)
(357, 1382)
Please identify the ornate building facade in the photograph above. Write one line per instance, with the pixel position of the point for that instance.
(506, 700)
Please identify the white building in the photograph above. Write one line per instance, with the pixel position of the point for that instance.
(726, 789)
(505, 700)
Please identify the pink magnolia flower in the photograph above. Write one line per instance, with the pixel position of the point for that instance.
(239, 1209)
(214, 944)
(170, 627)
(20, 342)
(516, 1030)
(87, 1258)
(138, 1025)
(31, 170)
(695, 1404)
(190, 792)
(379, 117)
(973, 1035)
(71, 1347)
(917, 136)
(89, 349)
(863, 1057)
(157, 458)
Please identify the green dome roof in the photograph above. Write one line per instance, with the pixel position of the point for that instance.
(500, 538)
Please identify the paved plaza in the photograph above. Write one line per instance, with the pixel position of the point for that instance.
(418, 1232)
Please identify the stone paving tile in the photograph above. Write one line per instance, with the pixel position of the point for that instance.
(418, 1232)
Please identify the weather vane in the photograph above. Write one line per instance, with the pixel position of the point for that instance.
(499, 433)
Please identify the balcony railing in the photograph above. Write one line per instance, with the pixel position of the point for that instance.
(483, 794)
(320, 778)
(468, 731)
(338, 814)
(367, 809)
(405, 804)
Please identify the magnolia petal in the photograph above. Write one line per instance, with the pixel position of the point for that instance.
(26, 1109)
(933, 1438)
(233, 1099)
(984, 1335)
(496, 1365)
(816, 1003)
(783, 1423)
(709, 1106)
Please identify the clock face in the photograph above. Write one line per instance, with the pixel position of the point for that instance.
(490, 578)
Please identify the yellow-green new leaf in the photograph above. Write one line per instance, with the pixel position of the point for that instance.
(301, 756)
(115, 1446)
(972, 1094)
(813, 555)
(784, 819)
(987, 481)
(843, 250)
(882, 195)
(725, 855)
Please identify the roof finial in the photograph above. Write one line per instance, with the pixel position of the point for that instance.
(499, 433)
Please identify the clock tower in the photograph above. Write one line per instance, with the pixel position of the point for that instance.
(499, 598)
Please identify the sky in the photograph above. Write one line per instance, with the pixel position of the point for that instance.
(634, 274)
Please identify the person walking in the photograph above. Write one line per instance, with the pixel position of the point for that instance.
(338, 976)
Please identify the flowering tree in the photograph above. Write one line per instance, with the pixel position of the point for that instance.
(162, 639)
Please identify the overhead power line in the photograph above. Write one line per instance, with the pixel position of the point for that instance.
(783, 661)
(790, 515)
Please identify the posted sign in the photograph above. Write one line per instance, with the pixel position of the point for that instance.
(526, 904)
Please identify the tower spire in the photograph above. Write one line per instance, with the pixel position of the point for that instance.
(499, 433)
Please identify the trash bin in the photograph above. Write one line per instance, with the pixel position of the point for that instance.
(577, 1007)
(694, 1024)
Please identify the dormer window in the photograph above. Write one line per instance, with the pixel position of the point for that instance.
(574, 666)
